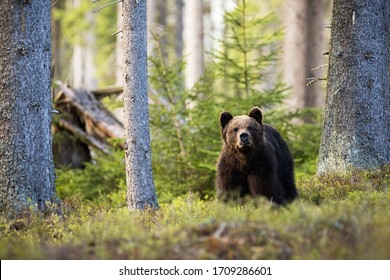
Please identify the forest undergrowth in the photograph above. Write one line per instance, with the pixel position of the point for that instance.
(338, 217)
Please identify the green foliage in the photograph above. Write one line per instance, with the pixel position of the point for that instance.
(183, 138)
(245, 61)
(323, 189)
(302, 131)
(351, 220)
(73, 19)
(104, 179)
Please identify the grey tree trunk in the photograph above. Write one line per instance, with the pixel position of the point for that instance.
(193, 38)
(141, 192)
(356, 131)
(26, 160)
(160, 21)
(179, 27)
(303, 47)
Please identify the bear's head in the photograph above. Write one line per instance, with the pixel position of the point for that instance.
(242, 132)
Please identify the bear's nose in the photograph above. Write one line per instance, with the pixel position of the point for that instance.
(244, 137)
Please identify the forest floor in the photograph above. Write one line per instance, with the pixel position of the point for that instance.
(344, 217)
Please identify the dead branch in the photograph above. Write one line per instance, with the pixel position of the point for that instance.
(107, 91)
(320, 67)
(314, 80)
(220, 230)
(55, 2)
(117, 32)
(107, 5)
(99, 120)
(83, 136)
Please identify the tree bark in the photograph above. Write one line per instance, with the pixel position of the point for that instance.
(356, 131)
(141, 192)
(303, 51)
(26, 160)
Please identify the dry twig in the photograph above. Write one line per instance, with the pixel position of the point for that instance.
(107, 5)
(314, 80)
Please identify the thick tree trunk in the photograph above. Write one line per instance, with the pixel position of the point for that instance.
(356, 132)
(303, 51)
(141, 192)
(193, 38)
(26, 160)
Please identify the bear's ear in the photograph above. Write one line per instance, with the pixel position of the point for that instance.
(224, 118)
(255, 113)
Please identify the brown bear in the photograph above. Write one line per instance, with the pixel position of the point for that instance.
(255, 160)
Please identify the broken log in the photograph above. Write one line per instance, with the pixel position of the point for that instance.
(84, 136)
(98, 120)
(107, 91)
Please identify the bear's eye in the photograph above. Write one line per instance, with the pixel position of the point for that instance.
(250, 129)
(235, 129)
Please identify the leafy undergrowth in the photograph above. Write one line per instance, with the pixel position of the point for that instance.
(344, 217)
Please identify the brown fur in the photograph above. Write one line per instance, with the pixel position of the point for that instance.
(254, 160)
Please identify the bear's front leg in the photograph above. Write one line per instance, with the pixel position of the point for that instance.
(261, 185)
(256, 185)
(231, 185)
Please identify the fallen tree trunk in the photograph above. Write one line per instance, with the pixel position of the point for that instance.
(107, 91)
(84, 124)
(98, 120)
(84, 136)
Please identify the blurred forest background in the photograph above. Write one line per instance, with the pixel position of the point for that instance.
(204, 57)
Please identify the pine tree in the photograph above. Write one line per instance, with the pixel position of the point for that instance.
(141, 192)
(356, 131)
(27, 171)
